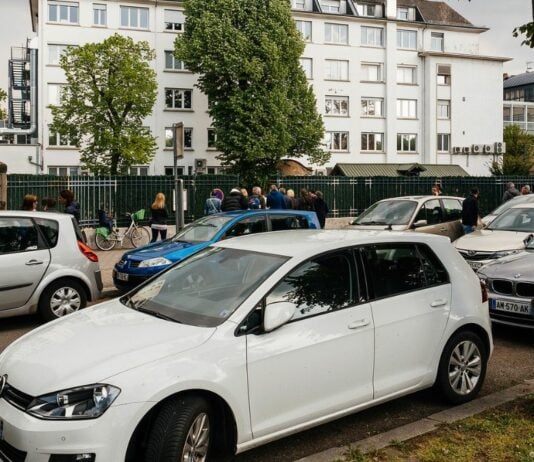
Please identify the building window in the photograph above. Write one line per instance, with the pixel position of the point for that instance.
(56, 139)
(173, 64)
(134, 17)
(370, 11)
(298, 4)
(406, 75)
(23, 139)
(373, 142)
(406, 142)
(373, 36)
(63, 171)
(406, 13)
(139, 171)
(331, 6)
(444, 75)
(307, 66)
(444, 142)
(212, 138)
(336, 106)
(178, 98)
(55, 52)
(63, 12)
(174, 20)
(444, 109)
(305, 28)
(407, 39)
(337, 141)
(336, 33)
(336, 69)
(179, 171)
(372, 72)
(188, 138)
(437, 41)
(406, 108)
(55, 91)
(99, 14)
(372, 107)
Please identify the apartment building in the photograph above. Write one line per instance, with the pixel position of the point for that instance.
(397, 81)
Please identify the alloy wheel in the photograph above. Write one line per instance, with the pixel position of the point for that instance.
(64, 301)
(197, 440)
(465, 367)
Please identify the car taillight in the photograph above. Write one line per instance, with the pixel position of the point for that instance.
(86, 250)
(484, 291)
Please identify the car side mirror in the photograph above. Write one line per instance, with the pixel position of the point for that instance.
(277, 314)
(420, 223)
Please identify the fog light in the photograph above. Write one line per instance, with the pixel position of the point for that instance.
(85, 457)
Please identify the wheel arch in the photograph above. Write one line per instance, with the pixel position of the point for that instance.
(477, 329)
(76, 279)
(225, 424)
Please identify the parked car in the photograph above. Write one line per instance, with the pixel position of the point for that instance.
(424, 214)
(518, 200)
(249, 340)
(45, 265)
(510, 284)
(508, 234)
(138, 265)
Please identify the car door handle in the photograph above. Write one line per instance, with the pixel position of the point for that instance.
(438, 303)
(34, 262)
(359, 323)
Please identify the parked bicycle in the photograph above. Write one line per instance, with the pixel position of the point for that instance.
(106, 238)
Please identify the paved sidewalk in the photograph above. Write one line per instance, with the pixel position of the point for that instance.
(427, 424)
(107, 260)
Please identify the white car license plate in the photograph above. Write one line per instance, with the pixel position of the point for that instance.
(511, 307)
(122, 276)
(475, 265)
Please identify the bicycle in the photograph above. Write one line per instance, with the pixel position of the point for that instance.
(138, 235)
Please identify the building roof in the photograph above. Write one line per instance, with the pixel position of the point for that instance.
(519, 80)
(422, 170)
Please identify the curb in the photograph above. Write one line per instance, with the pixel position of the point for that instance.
(426, 424)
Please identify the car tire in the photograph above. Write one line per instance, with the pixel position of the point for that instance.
(104, 243)
(462, 367)
(62, 297)
(181, 431)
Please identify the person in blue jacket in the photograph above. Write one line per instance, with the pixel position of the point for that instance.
(275, 199)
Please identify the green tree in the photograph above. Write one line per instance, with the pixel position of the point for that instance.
(519, 156)
(3, 96)
(246, 53)
(111, 89)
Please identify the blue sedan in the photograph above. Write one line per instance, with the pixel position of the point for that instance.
(137, 265)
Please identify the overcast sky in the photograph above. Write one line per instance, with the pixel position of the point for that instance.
(501, 16)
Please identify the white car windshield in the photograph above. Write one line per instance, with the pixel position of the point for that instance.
(206, 289)
(517, 219)
(513, 202)
(387, 213)
(202, 230)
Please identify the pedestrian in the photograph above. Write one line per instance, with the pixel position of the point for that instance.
(470, 211)
(48, 204)
(436, 190)
(256, 199)
(275, 199)
(66, 197)
(321, 208)
(213, 204)
(305, 201)
(510, 192)
(525, 190)
(291, 199)
(234, 201)
(244, 193)
(158, 218)
(219, 194)
(287, 202)
(29, 203)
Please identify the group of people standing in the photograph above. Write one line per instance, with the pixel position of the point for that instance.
(277, 198)
(30, 202)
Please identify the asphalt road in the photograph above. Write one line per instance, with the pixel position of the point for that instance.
(511, 363)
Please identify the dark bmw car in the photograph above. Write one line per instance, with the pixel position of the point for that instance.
(137, 265)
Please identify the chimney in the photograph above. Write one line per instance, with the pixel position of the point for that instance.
(391, 9)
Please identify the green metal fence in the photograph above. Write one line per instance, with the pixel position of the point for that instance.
(346, 196)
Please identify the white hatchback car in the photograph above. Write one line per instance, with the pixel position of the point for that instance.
(45, 265)
(249, 340)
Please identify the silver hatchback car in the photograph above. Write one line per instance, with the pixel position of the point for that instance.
(45, 265)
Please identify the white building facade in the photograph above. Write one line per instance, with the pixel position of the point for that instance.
(397, 81)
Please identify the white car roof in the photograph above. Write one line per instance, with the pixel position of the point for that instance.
(311, 242)
(30, 214)
(420, 198)
(528, 205)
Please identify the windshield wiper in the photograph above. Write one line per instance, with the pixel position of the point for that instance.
(157, 314)
(371, 222)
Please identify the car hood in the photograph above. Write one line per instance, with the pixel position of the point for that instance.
(171, 250)
(486, 240)
(519, 267)
(93, 344)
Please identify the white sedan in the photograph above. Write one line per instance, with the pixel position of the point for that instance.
(249, 340)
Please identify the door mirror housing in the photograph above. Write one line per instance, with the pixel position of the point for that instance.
(277, 314)
(419, 224)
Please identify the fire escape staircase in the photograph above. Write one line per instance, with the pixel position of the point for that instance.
(19, 91)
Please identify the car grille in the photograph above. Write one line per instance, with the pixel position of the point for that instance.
(10, 454)
(525, 289)
(503, 287)
(16, 397)
(477, 256)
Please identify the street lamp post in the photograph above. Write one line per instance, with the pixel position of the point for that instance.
(178, 153)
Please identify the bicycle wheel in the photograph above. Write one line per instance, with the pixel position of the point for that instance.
(139, 236)
(105, 243)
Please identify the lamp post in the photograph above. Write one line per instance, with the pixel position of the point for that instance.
(178, 153)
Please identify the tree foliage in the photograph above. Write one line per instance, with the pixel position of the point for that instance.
(111, 89)
(3, 96)
(246, 53)
(519, 157)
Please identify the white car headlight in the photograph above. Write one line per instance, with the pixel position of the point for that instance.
(87, 402)
(158, 261)
(505, 253)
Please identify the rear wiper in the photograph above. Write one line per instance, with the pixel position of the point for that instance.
(157, 314)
